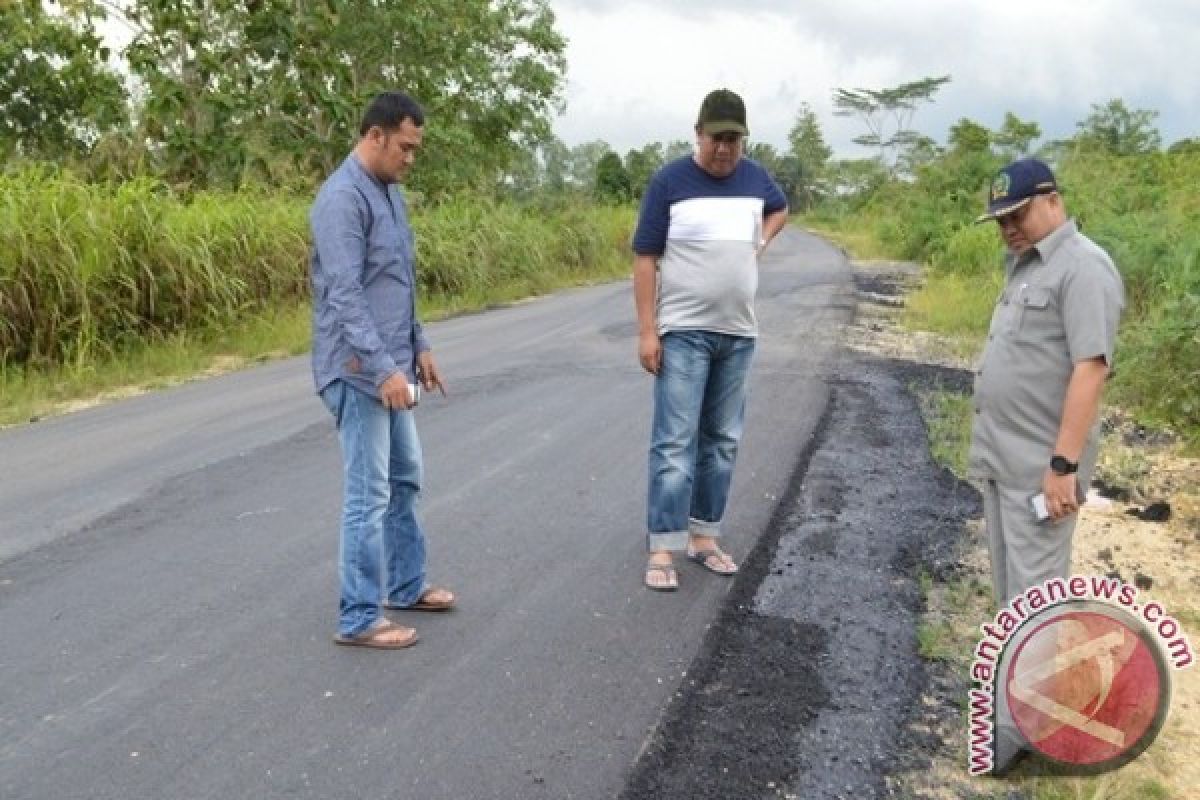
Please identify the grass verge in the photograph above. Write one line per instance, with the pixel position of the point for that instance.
(948, 423)
(954, 306)
(31, 393)
(863, 244)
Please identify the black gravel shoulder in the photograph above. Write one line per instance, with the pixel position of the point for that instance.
(809, 685)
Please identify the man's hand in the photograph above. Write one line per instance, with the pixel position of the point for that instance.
(650, 352)
(428, 374)
(1062, 499)
(394, 394)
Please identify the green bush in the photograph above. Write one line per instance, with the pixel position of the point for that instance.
(971, 251)
(1143, 209)
(1158, 364)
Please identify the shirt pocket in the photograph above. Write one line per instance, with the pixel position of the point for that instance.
(1004, 315)
(1037, 315)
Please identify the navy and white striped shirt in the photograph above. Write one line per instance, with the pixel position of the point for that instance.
(706, 231)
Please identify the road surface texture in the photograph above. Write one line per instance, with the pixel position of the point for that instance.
(168, 587)
(809, 684)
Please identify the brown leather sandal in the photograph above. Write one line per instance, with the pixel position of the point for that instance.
(425, 603)
(383, 635)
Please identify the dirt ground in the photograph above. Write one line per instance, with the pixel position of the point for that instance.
(839, 665)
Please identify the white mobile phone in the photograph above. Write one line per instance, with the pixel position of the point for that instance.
(414, 392)
(1038, 501)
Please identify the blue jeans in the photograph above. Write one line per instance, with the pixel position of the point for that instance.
(381, 457)
(699, 405)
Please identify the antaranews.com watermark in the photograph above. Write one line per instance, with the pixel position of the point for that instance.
(1078, 669)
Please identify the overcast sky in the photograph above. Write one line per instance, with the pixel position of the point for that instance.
(637, 70)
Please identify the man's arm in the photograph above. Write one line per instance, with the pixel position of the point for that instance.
(772, 224)
(645, 296)
(1080, 407)
(339, 236)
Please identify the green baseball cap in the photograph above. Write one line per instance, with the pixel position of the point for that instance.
(722, 112)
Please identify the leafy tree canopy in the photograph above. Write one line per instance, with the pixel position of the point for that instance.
(57, 92)
(240, 88)
(612, 181)
(1120, 130)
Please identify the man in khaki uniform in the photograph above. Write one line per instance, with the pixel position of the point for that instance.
(1038, 385)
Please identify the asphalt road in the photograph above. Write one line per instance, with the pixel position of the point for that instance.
(167, 572)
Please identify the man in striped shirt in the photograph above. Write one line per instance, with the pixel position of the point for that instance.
(704, 222)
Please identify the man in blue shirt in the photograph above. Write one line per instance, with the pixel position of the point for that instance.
(704, 222)
(369, 353)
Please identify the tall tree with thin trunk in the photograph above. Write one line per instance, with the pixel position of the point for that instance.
(811, 154)
(887, 113)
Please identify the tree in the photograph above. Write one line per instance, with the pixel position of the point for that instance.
(887, 113)
(555, 159)
(806, 141)
(857, 177)
(1189, 146)
(582, 163)
(1119, 130)
(968, 136)
(811, 155)
(57, 93)
(913, 151)
(677, 149)
(200, 74)
(612, 181)
(1015, 137)
(784, 168)
(233, 87)
(540, 173)
(642, 164)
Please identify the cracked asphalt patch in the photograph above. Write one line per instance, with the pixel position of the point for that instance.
(809, 685)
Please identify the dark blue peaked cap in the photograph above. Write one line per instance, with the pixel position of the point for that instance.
(1016, 185)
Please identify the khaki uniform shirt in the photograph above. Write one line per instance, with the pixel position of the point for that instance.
(1061, 303)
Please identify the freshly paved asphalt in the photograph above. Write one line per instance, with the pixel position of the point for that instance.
(168, 588)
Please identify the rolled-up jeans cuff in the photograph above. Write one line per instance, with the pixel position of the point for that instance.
(672, 541)
(698, 527)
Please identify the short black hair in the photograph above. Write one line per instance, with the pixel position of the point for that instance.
(389, 110)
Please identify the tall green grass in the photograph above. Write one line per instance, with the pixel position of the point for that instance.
(89, 271)
(477, 252)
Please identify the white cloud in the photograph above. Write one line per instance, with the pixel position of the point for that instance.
(638, 70)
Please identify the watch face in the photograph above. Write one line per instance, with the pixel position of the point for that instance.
(1061, 466)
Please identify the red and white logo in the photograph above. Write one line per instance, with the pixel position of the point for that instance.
(1088, 687)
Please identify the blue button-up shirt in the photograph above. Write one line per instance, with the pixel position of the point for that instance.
(365, 326)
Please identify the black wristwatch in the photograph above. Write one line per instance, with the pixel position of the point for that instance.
(1061, 466)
